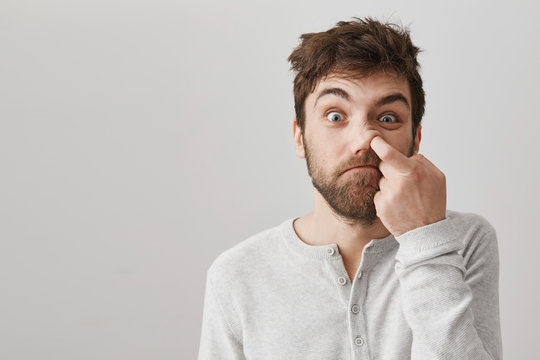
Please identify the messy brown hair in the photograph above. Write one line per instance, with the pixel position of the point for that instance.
(357, 48)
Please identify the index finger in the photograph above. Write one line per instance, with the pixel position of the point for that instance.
(389, 154)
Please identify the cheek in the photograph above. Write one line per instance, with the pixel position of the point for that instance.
(324, 143)
(400, 141)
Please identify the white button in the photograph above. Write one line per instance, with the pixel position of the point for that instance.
(330, 251)
(360, 275)
(341, 280)
(355, 309)
(359, 341)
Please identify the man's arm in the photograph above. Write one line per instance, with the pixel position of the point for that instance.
(217, 338)
(450, 302)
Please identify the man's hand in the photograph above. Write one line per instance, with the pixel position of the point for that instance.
(412, 190)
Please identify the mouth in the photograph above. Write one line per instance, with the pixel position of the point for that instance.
(363, 167)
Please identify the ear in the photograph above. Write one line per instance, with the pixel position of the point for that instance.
(417, 139)
(298, 140)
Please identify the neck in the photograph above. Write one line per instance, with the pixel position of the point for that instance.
(323, 226)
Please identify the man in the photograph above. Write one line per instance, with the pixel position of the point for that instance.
(379, 269)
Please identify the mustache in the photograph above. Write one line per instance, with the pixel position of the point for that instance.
(368, 158)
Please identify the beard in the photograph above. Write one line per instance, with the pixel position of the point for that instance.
(349, 195)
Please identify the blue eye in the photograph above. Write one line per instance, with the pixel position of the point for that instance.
(334, 116)
(388, 118)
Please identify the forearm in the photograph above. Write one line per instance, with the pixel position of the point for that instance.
(451, 306)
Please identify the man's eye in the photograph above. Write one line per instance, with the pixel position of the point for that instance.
(334, 116)
(388, 118)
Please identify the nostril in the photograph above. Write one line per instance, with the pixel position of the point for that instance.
(362, 144)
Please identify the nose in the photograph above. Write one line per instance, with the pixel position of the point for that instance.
(360, 136)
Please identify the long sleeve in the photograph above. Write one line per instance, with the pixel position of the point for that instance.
(217, 338)
(448, 276)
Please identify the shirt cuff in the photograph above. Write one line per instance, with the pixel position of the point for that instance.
(428, 242)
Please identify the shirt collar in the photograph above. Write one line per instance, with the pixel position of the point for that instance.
(322, 252)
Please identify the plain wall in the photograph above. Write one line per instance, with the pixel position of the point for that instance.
(140, 139)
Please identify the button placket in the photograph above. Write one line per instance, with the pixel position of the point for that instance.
(337, 273)
(357, 311)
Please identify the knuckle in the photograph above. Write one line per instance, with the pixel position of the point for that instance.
(401, 188)
(414, 176)
(442, 177)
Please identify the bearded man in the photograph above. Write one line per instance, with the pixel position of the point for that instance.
(380, 269)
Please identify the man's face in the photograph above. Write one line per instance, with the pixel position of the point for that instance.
(343, 115)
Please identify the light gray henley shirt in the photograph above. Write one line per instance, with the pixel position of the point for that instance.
(431, 293)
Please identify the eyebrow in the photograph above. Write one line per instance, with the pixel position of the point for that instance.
(385, 100)
(333, 91)
(388, 99)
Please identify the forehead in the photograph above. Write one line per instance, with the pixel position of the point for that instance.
(363, 89)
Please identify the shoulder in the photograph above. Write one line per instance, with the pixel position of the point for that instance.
(478, 236)
(470, 225)
(244, 258)
(469, 222)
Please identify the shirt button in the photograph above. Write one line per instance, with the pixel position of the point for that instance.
(359, 341)
(355, 309)
(341, 280)
(360, 275)
(330, 251)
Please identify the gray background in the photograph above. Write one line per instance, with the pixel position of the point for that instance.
(140, 139)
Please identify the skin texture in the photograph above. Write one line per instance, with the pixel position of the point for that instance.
(412, 190)
(353, 122)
